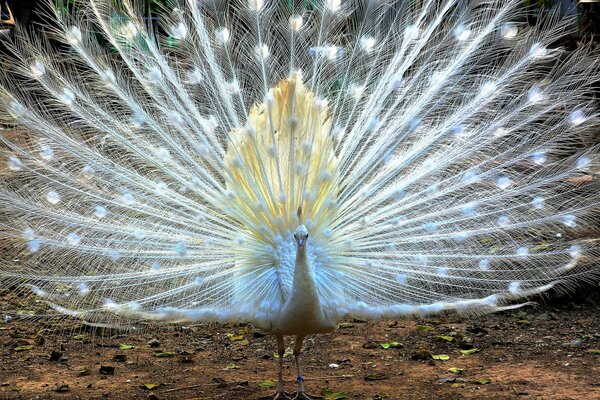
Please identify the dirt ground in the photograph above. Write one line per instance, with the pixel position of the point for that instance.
(541, 352)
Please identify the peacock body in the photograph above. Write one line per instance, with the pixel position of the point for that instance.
(287, 165)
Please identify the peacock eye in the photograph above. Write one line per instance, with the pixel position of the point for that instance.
(307, 235)
(295, 237)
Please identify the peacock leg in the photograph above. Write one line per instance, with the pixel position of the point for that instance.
(280, 394)
(297, 354)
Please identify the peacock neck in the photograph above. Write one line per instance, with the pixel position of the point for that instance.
(304, 283)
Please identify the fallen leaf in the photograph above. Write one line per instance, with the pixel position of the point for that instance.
(329, 395)
(62, 387)
(469, 351)
(232, 365)
(442, 357)
(126, 346)
(85, 371)
(288, 352)
(482, 381)
(424, 328)
(346, 325)
(24, 348)
(267, 383)
(594, 351)
(150, 386)
(445, 338)
(234, 338)
(243, 331)
(455, 370)
(391, 345)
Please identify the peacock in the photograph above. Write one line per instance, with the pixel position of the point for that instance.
(289, 163)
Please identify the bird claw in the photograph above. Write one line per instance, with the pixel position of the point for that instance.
(281, 395)
(302, 396)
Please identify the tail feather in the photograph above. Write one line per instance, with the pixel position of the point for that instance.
(436, 150)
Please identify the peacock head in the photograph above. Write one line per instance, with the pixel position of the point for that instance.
(301, 235)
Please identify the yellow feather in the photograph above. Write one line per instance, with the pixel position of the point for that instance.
(282, 160)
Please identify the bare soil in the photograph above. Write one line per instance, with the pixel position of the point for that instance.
(540, 352)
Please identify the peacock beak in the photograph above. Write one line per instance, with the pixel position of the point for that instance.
(301, 242)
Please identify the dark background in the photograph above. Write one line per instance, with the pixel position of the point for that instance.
(589, 13)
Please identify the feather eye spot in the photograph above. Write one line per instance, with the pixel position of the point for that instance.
(138, 119)
(73, 239)
(100, 212)
(114, 255)
(16, 109)
(488, 89)
(412, 32)
(74, 36)
(503, 220)
(583, 162)
(575, 251)
(155, 75)
(538, 202)
(514, 287)
(503, 182)
(67, 97)
(569, 220)
(108, 77)
(333, 5)
(431, 227)
(484, 264)
(14, 163)
(155, 266)
(296, 22)
(180, 249)
(38, 69)
(88, 171)
(509, 30)
(461, 33)
(538, 50)
(29, 234)
(222, 35)
(46, 152)
(53, 197)
(84, 289)
(129, 30)
(522, 252)
(577, 117)
(128, 199)
(262, 50)
(179, 31)
(33, 245)
(367, 43)
(256, 5)
(535, 95)
(539, 157)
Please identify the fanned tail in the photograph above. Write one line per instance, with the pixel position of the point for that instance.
(443, 154)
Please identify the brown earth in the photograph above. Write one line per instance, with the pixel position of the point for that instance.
(532, 353)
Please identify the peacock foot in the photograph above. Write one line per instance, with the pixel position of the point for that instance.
(281, 395)
(303, 396)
